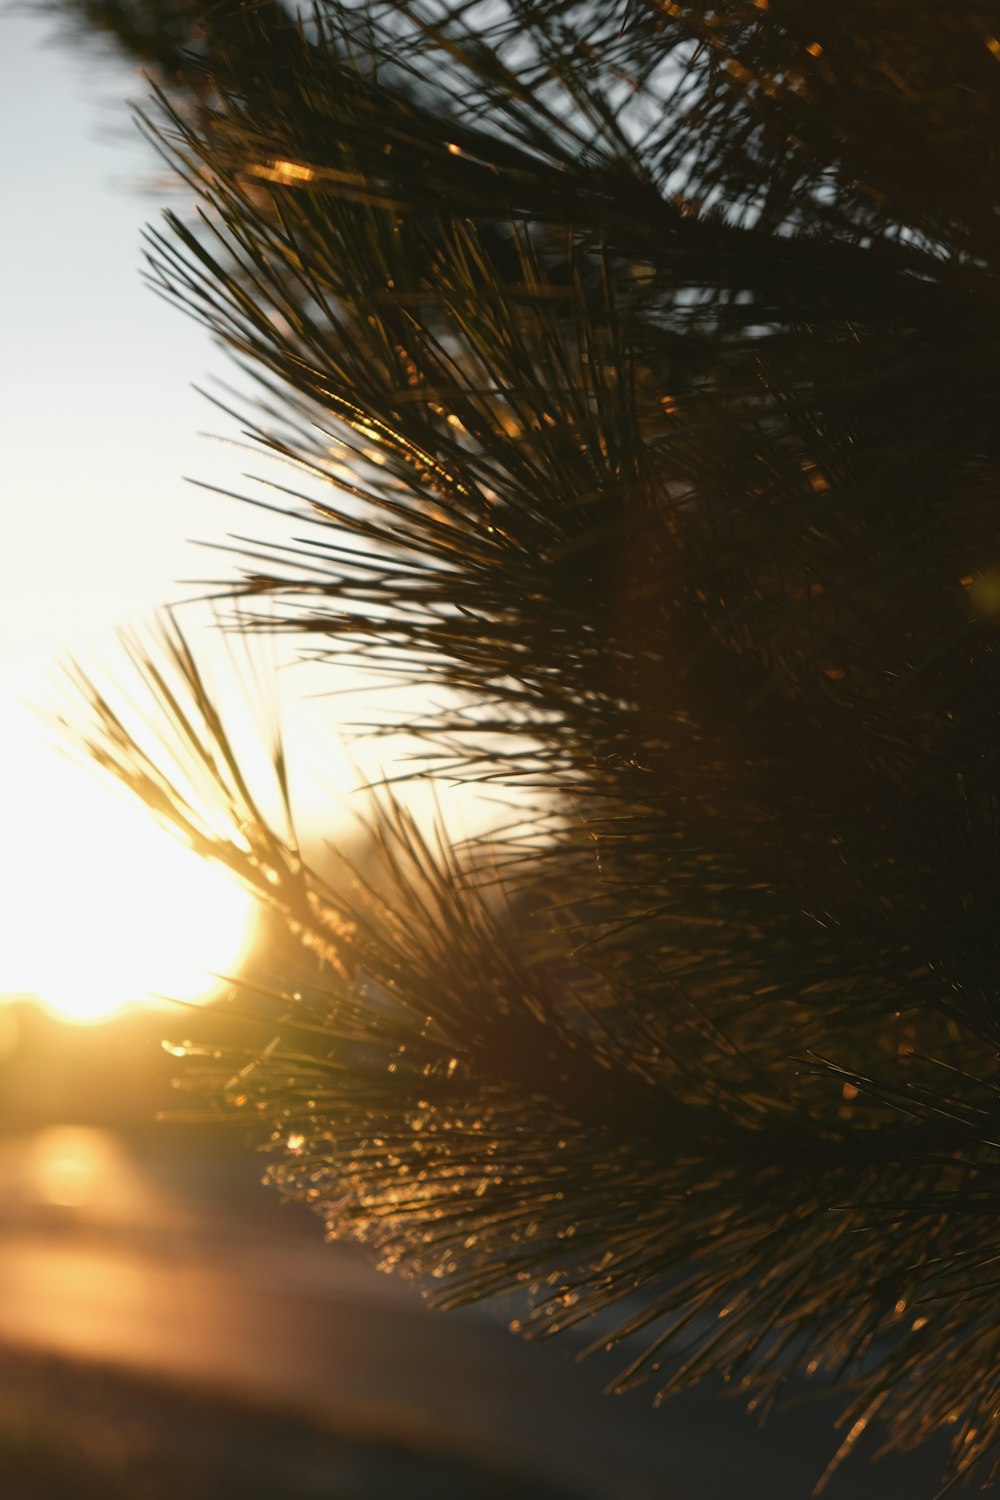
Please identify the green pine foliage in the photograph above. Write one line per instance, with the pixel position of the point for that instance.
(636, 366)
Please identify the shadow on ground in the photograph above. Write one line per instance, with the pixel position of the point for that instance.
(76, 1431)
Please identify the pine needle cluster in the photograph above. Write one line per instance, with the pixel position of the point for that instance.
(636, 365)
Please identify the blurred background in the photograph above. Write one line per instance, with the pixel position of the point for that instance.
(166, 1324)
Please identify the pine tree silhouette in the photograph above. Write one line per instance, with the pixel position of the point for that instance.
(659, 342)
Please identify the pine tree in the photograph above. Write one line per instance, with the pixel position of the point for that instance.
(637, 364)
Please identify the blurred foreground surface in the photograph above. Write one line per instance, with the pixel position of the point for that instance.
(75, 1431)
(150, 1288)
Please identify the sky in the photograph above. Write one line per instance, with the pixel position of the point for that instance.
(100, 421)
(99, 425)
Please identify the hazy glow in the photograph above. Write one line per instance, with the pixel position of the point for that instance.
(70, 1166)
(100, 905)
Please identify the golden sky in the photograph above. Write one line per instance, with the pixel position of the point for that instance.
(100, 426)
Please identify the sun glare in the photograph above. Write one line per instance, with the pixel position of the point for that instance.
(100, 906)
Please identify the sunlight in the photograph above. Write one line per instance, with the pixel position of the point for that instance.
(77, 1167)
(102, 907)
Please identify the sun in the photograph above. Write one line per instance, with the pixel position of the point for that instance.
(100, 907)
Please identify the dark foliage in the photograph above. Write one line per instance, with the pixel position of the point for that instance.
(637, 363)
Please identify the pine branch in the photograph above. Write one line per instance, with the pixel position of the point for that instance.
(638, 393)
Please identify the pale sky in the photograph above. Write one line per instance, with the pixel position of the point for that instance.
(99, 419)
(99, 426)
